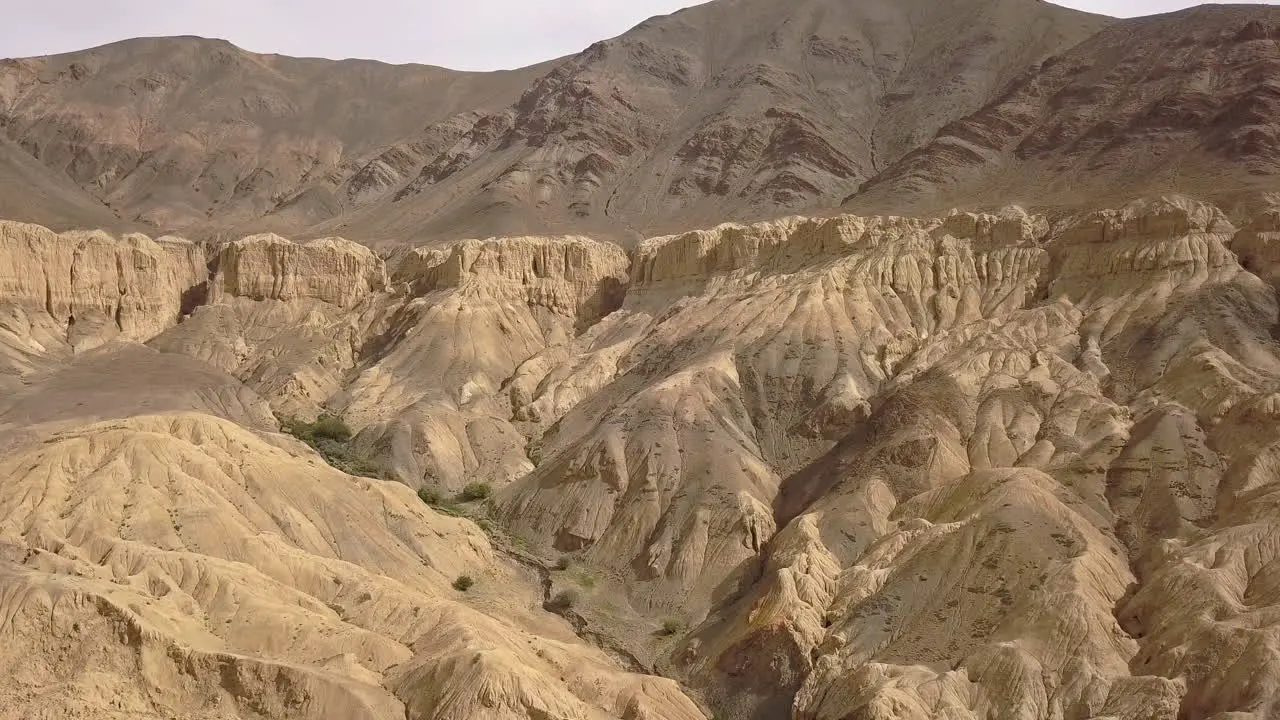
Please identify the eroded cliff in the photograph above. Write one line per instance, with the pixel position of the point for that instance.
(873, 467)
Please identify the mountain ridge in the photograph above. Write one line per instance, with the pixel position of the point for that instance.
(677, 121)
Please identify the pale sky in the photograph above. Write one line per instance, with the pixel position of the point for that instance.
(461, 34)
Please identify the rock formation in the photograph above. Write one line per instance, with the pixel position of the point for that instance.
(880, 467)
(269, 267)
(182, 565)
(133, 285)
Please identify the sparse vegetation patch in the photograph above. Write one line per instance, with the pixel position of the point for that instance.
(330, 436)
(476, 491)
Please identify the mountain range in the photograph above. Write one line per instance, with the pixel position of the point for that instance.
(733, 110)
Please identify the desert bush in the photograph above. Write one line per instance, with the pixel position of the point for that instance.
(326, 427)
(331, 427)
(429, 496)
(463, 583)
(476, 491)
(330, 436)
(562, 601)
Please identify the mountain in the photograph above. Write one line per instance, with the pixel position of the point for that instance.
(725, 110)
(183, 133)
(635, 455)
(1178, 102)
(731, 109)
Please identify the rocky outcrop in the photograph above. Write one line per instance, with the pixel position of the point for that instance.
(476, 311)
(850, 449)
(269, 267)
(574, 277)
(738, 356)
(1258, 245)
(95, 285)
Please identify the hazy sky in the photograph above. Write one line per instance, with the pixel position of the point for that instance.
(463, 34)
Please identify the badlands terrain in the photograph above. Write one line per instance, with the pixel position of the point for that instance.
(815, 360)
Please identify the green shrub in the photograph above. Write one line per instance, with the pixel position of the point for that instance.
(326, 427)
(331, 437)
(329, 447)
(463, 583)
(330, 427)
(562, 601)
(429, 496)
(564, 563)
(476, 491)
(672, 626)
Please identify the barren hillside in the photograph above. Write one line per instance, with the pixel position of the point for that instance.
(1184, 102)
(737, 108)
(845, 467)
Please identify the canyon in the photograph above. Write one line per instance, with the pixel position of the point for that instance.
(839, 467)
(933, 374)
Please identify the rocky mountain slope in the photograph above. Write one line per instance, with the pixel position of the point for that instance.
(738, 108)
(1184, 101)
(180, 133)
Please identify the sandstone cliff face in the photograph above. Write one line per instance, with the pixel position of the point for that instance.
(287, 318)
(477, 310)
(269, 267)
(574, 277)
(273, 313)
(1258, 245)
(97, 286)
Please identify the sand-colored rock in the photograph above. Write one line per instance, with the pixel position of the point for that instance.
(738, 351)
(95, 285)
(269, 267)
(433, 394)
(914, 463)
(181, 565)
(574, 277)
(968, 466)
